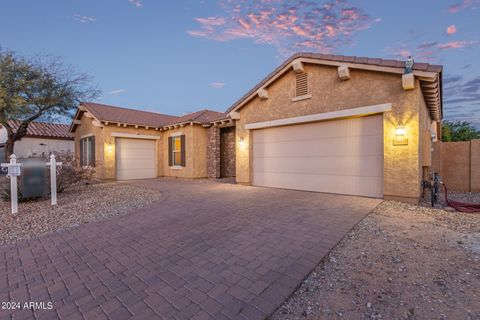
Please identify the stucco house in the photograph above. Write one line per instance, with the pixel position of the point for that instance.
(325, 123)
(128, 144)
(42, 139)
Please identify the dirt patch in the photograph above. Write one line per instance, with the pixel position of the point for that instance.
(401, 262)
(77, 205)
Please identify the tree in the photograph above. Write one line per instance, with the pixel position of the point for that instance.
(40, 88)
(459, 131)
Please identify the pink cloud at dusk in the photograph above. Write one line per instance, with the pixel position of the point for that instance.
(452, 29)
(289, 26)
(464, 4)
(428, 50)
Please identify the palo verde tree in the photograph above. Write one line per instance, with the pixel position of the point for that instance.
(40, 88)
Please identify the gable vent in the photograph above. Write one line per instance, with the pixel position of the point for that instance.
(301, 84)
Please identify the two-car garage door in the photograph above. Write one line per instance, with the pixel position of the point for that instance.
(338, 156)
(135, 159)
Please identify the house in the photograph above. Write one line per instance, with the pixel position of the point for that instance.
(42, 139)
(340, 124)
(126, 144)
(325, 123)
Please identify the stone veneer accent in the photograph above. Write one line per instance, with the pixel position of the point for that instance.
(227, 152)
(213, 152)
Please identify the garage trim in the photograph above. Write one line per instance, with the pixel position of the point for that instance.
(360, 111)
(133, 136)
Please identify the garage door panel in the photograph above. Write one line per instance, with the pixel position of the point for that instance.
(361, 186)
(368, 166)
(309, 147)
(340, 156)
(363, 126)
(135, 159)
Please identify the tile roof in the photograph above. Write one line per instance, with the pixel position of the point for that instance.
(129, 116)
(338, 58)
(45, 129)
(202, 116)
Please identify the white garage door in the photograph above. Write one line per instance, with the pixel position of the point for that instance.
(135, 159)
(339, 156)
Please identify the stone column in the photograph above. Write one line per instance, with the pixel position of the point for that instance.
(213, 152)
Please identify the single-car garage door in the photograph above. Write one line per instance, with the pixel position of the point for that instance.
(338, 156)
(135, 159)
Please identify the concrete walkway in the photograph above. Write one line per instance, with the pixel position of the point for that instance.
(207, 250)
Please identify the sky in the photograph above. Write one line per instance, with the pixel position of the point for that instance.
(176, 57)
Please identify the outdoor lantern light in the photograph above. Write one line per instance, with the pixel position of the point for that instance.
(400, 130)
(110, 147)
(241, 142)
(400, 138)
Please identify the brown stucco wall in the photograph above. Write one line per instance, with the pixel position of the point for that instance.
(196, 148)
(475, 166)
(456, 165)
(227, 152)
(109, 155)
(195, 152)
(105, 159)
(86, 128)
(402, 167)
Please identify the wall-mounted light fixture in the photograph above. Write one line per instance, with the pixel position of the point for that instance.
(241, 142)
(400, 138)
(110, 147)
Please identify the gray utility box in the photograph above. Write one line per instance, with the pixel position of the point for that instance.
(34, 180)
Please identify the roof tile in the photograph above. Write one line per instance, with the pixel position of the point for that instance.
(44, 129)
(129, 116)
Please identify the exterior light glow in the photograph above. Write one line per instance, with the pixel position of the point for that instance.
(241, 143)
(400, 130)
(110, 147)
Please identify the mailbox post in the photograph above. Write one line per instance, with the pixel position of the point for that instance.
(53, 178)
(13, 171)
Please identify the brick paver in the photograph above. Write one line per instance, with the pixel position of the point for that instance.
(207, 250)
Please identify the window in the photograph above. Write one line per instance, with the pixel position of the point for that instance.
(87, 151)
(301, 85)
(176, 147)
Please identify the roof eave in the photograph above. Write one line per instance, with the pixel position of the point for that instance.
(428, 76)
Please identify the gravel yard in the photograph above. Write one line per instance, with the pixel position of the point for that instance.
(77, 205)
(400, 262)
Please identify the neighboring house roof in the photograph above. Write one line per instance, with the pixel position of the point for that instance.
(38, 129)
(328, 59)
(202, 117)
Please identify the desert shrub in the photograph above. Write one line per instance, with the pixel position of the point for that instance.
(70, 173)
(5, 192)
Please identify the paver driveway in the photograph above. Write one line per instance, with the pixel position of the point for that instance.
(206, 251)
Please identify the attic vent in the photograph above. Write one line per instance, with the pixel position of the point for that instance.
(301, 84)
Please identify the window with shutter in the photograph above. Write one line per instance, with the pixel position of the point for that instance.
(87, 151)
(301, 84)
(177, 151)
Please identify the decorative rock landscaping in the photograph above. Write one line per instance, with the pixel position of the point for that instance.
(77, 205)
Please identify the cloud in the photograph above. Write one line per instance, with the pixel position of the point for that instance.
(451, 29)
(217, 85)
(427, 50)
(464, 4)
(461, 98)
(288, 25)
(83, 19)
(117, 91)
(136, 3)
